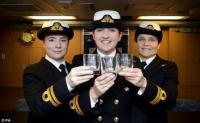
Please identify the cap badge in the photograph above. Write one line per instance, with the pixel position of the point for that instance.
(57, 27)
(107, 19)
(150, 27)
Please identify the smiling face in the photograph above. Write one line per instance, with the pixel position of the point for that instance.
(147, 45)
(56, 46)
(106, 39)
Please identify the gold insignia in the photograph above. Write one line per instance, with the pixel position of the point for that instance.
(27, 37)
(49, 95)
(161, 95)
(150, 27)
(57, 27)
(74, 105)
(107, 19)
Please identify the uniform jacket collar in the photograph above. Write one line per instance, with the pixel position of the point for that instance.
(95, 51)
(154, 66)
(51, 67)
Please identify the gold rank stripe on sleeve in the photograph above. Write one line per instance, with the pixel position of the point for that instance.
(49, 95)
(161, 95)
(74, 105)
(54, 96)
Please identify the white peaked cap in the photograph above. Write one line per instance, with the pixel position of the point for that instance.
(100, 14)
(50, 23)
(154, 25)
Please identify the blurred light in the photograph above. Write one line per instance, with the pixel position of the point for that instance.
(50, 17)
(162, 17)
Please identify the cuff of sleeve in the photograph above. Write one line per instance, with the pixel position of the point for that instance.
(153, 94)
(49, 97)
(93, 103)
(61, 90)
(149, 92)
(69, 87)
(161, 95)
(81, 104)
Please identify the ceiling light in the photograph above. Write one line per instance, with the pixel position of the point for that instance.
(162, 17)
(50, 17)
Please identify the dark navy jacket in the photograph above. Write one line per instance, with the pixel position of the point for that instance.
(122, 104)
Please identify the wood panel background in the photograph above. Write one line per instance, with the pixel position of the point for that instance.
(18, 56)
(184, 49)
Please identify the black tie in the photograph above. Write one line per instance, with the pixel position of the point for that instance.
(143, 64)
(62, 67)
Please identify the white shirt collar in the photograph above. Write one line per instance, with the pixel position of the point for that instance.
(148, 60)
(112, 54)
(54, 62)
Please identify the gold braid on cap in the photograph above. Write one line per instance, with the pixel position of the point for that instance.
(57, 27)
(150, 27)
(107, 19)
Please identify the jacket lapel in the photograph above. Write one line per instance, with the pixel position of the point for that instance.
(153, 67)
(68, 66)
(51, 69)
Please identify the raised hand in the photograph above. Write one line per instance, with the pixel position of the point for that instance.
(101, 85)
(134, 76)
(79, 75)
